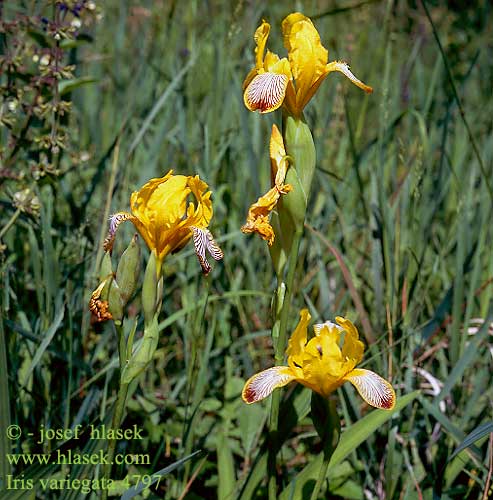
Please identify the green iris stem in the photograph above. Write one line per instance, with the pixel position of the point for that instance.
(281, 343)
(280, 347)
(119, 406)
(299, 145)
(328, 425)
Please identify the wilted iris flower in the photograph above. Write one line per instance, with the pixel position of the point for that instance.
(258, 215)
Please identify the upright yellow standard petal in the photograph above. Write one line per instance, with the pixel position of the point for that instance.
(260, 37)
(297, 342)
(265, 85)
(307, 56)
(278, 160)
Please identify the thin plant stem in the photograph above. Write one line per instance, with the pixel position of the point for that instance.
(194, 398)
(293, 260)
(328, 426)
(10, 223)
(321, 477)
(115, 424)
(280, 347)
(119, 406)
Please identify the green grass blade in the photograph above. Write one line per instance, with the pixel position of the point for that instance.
(135, 490)
(352, 437)
(160, 103)
(47, 338)
(473, 437)
(294, 409)
(5, 444)
(469, 356)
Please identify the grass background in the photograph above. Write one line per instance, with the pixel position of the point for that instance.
(398, 239)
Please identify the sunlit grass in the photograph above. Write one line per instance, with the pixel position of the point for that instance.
(398, 239)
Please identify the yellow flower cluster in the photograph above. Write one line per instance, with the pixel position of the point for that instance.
(329, 359)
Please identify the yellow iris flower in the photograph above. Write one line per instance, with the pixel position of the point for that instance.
(292, 81)
(323, 365)
(258, 214)
(165, 217)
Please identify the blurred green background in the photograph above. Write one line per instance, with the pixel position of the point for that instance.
(398, 239)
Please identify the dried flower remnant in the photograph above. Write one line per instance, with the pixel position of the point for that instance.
(258, 214)
(99, 308)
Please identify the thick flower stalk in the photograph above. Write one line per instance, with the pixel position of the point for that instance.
(167, 212)
(323, 364)
(291, 82)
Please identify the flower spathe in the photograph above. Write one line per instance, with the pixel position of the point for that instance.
(167, 212)
(323, 364)
(291, 82)
(258, 214)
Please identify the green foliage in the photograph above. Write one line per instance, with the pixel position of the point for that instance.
(398, 239)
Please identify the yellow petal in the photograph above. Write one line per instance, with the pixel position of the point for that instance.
(325, 346)
(160, 202)
(307, 56)
(303, 100)
(343, 68)
(317, 375)
(265, 93)
(201, 214)
(297, 342)
(260, 37)
(258, 214)
(278, 160)
(273, 64)
(262, 384)
(375, 390)
(163, 215)
(353, 348)
(251, 75)
(261, 226)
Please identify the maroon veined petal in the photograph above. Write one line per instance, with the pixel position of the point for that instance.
(265, 93)
(263, 383)
(375, 390)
